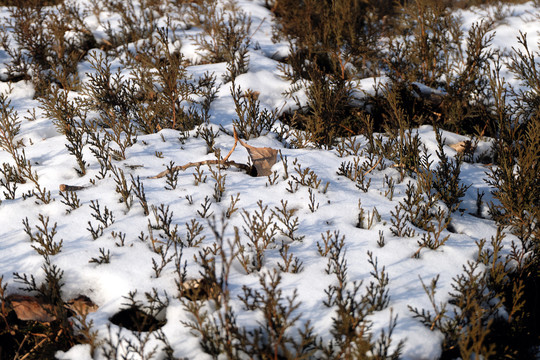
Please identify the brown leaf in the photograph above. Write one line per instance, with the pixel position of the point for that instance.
(199, 289)
(431, 96)
(463, 147)
(81, 305)
(263, 158)
(250, 94)
(29, 308)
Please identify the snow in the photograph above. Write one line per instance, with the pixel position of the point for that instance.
(130, 266)
(81, 352)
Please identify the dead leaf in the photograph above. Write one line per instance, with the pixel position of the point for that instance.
(29, 308)
(263, 158)
(250, 94)
(199, 289)
(463, 147)
(431, 96)
(81, 305)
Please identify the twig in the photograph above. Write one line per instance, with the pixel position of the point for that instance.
(234, 146)
(33, 349)
(439, 315)
(133, 167)
(374, 166)
(417, 254)
(26, 336)
(257, 29)
(346, 128)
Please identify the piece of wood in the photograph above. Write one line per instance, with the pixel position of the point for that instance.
(64, 187)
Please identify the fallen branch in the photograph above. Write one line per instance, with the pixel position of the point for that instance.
(223, 162)
(198, 163)
(262, 158)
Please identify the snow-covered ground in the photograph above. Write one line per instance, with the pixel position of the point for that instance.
(130, 267)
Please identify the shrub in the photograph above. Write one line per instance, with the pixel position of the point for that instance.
(225, 34)
(43, 52)
(325, 55)
(440, 80)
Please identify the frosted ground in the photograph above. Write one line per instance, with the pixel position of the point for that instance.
(130, 267)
